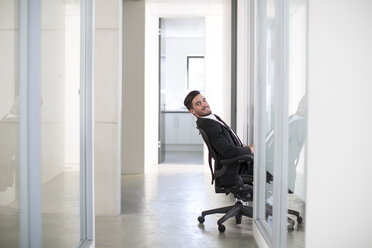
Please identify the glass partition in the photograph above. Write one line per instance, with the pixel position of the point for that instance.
(9, 165)
(266, 114)
(66, 194)
(281, 125)
(297, 119)
(269, 107)
(60, 115)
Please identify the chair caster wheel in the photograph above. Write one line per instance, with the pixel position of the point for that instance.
(238, 219)
(201, 219)
(299, 220)
(221, 228)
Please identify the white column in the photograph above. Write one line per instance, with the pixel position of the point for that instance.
(151, 89)
(107, 99)
(338, 207)
(133, 119)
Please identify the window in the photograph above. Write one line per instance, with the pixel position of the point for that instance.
(195, 73)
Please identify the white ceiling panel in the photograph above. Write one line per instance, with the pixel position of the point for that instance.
(185, 8)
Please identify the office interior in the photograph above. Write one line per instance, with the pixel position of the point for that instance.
(89, 115)
(182, 42)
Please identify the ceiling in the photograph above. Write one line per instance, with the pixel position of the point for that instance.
(185, 8)
(183, 27)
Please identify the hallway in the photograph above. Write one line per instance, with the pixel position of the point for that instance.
(160, 209)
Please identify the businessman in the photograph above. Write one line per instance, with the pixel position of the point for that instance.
(221, 136)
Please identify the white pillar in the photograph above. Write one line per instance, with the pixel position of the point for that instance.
(338, 207)
(107, 111)
(133, 119)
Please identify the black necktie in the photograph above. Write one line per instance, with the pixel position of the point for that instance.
(233, 135)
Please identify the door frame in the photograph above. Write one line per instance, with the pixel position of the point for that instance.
(276, 235)
(87, 224)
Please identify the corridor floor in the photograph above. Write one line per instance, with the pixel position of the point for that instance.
(160, 209)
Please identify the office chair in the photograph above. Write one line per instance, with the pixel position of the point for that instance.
(297, 136)
(225, 175)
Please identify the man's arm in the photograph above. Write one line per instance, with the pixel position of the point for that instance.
(221, 141)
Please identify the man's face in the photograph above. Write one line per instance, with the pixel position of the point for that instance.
(200, 106)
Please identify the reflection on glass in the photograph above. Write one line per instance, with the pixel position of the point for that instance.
(269, 105)
(9, 183)
(297, 110)
(60, 67)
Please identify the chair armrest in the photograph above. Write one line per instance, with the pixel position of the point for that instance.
(227, 162)
(237, 158)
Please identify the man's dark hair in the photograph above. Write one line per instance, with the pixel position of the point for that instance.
(188, 99)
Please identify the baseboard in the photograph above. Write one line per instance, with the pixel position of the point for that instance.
(183, 148)
(260, 240)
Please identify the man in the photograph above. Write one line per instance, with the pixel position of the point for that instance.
(221, 136)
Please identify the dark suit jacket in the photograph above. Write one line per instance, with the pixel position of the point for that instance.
(222, 139)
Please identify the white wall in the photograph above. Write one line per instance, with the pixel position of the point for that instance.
(339, 129)
(8, 127)
(72, 84)
(107, 111)
(52, 87)
(133, 118)
(176, 51)
(216, 66)
(244, 108)
(8, 48)
(151, 89)
(226, 60)
(181, 37)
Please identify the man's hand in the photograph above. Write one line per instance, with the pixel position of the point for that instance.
(252, 149)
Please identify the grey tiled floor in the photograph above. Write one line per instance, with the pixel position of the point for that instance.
(296, 238)
(160, 209)
(60, 215)
(189, 158)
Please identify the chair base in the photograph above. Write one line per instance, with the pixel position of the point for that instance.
(290, 221)
(237, 210)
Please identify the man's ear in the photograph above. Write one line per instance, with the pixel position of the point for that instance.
(192, 111)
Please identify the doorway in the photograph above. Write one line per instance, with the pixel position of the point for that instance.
(181, 69)
(217, 49)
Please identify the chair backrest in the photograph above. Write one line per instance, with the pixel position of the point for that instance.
(211, 152)
(225, 180)
(205, 137)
